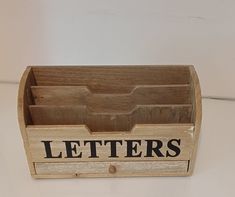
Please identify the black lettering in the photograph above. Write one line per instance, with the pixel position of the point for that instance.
(70, 149)
(151, 149)
(113, 146)
(47, 145)
(132, 148)
(173, 147)
(93, 147)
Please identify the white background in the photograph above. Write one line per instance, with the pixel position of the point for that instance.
(55, 32)
(46, 32)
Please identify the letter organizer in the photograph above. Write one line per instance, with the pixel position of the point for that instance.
(109, 121)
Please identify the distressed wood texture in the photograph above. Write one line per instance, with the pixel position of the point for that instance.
(81, 95)
(97, 122)
(196, 115)
(58, 134)
(111, 79)
(152, 111)
(24, 118)
(112, 169)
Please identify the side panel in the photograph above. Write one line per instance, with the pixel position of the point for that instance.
(24, 118)
(197, 114)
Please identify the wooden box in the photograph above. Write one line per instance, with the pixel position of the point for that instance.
(110, 121)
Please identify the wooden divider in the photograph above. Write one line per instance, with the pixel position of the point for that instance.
(116, 102)
(110, 79)
(110, 98)
(141, 114)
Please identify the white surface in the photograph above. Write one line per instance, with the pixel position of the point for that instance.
(213, 176)
(199, 32)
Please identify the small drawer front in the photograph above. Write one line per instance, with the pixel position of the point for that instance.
(144, 143)
(111, 169)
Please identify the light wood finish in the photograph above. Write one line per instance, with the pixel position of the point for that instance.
(58, 134)
(111, 79)
(141, 114)
(197, 115)
(81, 95)
(102, 169)
(76, 103)
(24, 118)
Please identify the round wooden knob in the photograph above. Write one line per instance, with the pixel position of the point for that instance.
(112, 169)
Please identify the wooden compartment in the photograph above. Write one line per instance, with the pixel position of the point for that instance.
(109, 121)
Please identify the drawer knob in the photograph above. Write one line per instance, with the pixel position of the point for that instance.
(112, 169)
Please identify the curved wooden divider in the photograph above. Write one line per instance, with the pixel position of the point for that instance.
(141, 114)
(140, 95)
